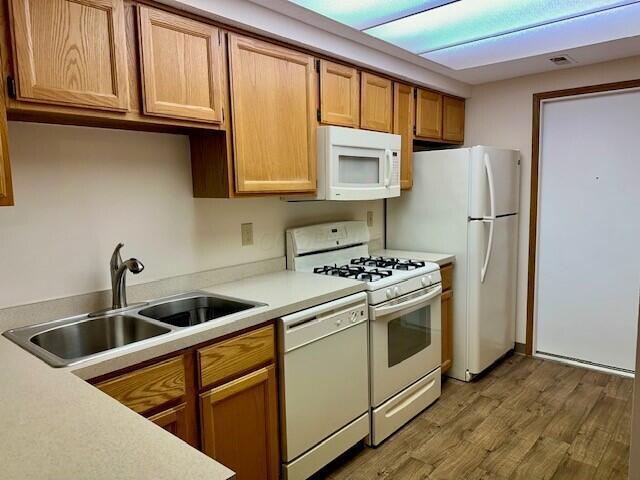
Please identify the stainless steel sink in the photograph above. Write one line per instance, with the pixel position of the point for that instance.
(96, 335)
(72, 340)
(187, 312)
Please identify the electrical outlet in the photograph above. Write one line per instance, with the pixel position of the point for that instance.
(246, 230)
(369, 218)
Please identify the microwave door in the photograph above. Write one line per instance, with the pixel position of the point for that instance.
(358, 173)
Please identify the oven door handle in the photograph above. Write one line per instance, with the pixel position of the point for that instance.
(431, 294)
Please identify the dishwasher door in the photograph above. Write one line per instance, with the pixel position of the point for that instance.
(324, 374)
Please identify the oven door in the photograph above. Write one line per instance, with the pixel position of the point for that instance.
(405, 336)
(360, 173)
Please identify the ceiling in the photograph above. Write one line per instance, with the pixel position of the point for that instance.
(478, 41)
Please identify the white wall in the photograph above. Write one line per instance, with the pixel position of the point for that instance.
(500, 114)
(79, 191)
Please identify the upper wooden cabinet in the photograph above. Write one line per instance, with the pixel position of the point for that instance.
(273, 93)
(453, 119)
(71, 52)
(339, 95)
(403, 125)
(181, 66)
(376, 106)
(6, 189)
(428, 114)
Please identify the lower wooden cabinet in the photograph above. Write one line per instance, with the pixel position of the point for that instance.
(174, 420)
(446, 272)
(447, 330)
(227, 391)
(239, 424)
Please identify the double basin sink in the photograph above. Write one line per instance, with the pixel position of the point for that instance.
(69, 341)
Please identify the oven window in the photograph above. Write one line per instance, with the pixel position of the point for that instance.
(408, 335)
(353, 169)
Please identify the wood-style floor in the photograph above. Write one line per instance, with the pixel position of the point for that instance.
(525, 419)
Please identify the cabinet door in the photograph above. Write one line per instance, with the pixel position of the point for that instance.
(339, 95)
(447, 330)
(428, 115)
(240, 425)
(6, 190)
(173, 420)
(273, 93)
(71, 52)
(181, 67)
(453, 121)
(376, 105)
(403, 125)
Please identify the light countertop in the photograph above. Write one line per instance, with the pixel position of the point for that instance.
(56, 425)
(439, 258)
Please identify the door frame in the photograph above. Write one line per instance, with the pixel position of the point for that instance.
(538, 99)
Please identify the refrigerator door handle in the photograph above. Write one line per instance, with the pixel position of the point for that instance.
(492, 194)
(487, 257)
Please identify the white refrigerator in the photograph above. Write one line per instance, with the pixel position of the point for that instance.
(464, 201)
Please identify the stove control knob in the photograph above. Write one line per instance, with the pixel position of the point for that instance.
(424, 281)
(396, 291)
(389, 293)
(338, 322)
(353, 316)
(430, 279)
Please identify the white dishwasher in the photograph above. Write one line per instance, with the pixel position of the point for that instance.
(324, 383)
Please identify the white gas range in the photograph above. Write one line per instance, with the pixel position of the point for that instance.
(404, 317)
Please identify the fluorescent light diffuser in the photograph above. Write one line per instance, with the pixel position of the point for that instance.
(466, 21)
(363, 14)
(577, 32)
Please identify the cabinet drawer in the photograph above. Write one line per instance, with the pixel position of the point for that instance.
(446, 273)
(148, 387)
(236, 356)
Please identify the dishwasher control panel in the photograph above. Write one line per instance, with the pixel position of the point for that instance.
(309, 325)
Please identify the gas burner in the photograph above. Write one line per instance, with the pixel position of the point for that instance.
(355, 272)
(388, 262)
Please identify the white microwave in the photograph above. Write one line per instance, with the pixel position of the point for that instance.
(356, 164)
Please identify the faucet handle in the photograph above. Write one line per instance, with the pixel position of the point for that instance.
(116, 259)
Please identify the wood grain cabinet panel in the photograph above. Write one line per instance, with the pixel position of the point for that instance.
(6, 189)
(71, 52)
(447, 330)
(239, 425)
(174, 421)
(403, 125)
(233, 357)
(148, 387)
(339, 95)
(274, 96)
(428, 114)
(446, 272)
(377, 102)
(181, 66)
(453, 119)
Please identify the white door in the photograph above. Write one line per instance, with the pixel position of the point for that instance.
(588, 273)
(494, 175)
(492, 296)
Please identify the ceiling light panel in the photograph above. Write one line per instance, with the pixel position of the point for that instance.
(576, 32)
(466, 21)
(362, 14)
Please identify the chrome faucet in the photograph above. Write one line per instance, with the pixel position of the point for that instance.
(118, 269)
